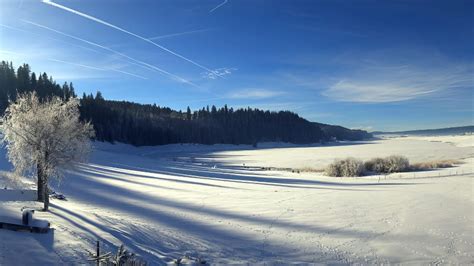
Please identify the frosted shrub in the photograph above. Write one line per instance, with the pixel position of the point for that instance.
(376, 165)
(391, 164)
(346, 167)
(334, 169)
(434, 164)
(397, 163)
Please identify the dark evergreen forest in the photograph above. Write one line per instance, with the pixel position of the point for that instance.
(144, 124)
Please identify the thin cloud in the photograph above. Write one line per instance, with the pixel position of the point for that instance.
(178, 34)
(383, 85)
(51, 3)
(218, 73)
(136, 61)
(254, 94)
(218, 6)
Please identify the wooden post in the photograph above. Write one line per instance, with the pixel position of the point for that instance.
(98, 253)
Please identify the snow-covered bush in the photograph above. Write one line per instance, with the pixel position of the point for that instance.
(376, 165)
(345, 167)
(391, 164)
(434, 164)
(397, 163)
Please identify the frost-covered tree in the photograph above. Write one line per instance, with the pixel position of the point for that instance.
(45, 137)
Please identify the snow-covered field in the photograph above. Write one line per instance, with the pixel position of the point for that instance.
(169, 201)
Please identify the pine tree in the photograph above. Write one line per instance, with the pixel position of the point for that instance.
(188, 114)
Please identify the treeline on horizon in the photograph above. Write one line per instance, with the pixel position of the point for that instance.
(145, 124)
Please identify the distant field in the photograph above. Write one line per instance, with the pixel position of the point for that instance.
(417, 149)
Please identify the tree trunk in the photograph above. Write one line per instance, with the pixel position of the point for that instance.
(40, 187)
(42, 174)
(46, 196)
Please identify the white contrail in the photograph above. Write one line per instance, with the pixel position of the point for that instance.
(79, 39)
(96, 68)
(76, 64)
(49, 2)
(177, 34)
(58, 40)
(138, 62)
(221, 4)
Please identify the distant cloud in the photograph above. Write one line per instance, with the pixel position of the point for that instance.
(382, 84)
(254, 94)
(219, 72)
(218, 6)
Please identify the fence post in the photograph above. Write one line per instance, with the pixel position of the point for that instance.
(98, 253)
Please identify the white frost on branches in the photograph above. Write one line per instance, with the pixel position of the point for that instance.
(46, 134)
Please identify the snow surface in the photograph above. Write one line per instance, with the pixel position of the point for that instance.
(168, 201)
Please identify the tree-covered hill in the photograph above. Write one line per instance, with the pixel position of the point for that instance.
(428, 132)
(144, 124)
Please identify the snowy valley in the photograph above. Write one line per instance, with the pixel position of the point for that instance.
(238, 204)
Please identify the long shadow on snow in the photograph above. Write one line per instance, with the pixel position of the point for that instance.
(122, 179)
(235, 177)
(125, 200)
(221, 239)
(119, 198)
(98, 170)
(152, 175)
(113, 197)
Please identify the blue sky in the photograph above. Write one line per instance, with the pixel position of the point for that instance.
(376, 65)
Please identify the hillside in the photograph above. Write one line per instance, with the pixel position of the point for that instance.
(145, 124)
(438, 131)
(342, 133)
